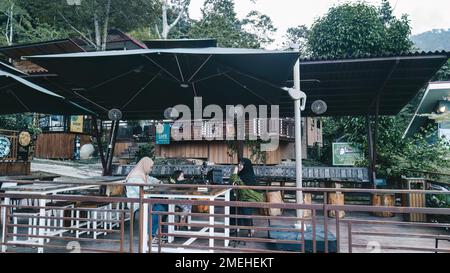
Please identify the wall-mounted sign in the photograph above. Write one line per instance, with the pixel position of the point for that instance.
(5, 146)
(345, 154)
(76, 124)
(24, 139)
(163, 134)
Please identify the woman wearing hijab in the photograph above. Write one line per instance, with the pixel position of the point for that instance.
(140, 175)
(244, 175)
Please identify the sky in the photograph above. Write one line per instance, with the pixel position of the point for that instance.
(424, 14)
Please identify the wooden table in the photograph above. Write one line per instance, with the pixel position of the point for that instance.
(188, 194)
(46, 189)
(41, 176)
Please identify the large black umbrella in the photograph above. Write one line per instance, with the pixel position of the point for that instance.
(18, 95)
(144, 83)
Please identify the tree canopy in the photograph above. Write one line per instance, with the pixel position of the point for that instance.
(353, 29)
(219, 20)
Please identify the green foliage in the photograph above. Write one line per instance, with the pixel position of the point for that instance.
(12, 18)
(79, 20)
(297, 36)
(19, 122)
(424, 152)
(443, 74)
(220, 21)
(256, 155)
(147, 150)
(354, 29)
(260, 26)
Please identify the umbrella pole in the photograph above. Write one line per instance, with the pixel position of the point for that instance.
(98, 138)
(298, 141)
(112, 144)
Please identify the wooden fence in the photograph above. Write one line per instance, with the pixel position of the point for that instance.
(57, 145)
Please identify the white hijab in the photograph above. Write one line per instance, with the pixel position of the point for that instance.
(142, 169)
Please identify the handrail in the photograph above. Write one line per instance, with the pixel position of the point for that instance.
(233, 187)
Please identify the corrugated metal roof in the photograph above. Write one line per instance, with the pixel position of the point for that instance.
(436, 92)
(49, 47)
(373, 56)
(350, 86)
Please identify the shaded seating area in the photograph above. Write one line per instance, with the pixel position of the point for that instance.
(144, 83)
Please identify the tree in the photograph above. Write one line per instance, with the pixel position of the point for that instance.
(261, 26)
(219, 21)
(354, 29)
(443, 74)
(178, 8)
(19, 122)
(297, 36)
(92, 19)
(13, 19)
(360, 29)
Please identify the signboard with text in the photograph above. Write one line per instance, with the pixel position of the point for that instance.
(163, 134)
(346, 154)
(76, 124)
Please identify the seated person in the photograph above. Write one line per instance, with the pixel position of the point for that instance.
(140, 175)
(244, 175)
(178, 178)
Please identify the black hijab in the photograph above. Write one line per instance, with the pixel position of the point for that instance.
(247, 175)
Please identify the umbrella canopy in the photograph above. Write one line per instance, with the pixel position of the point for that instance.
(21, 96)
(351, 86)
(144, 83)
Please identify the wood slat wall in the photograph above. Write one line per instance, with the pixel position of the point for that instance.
(216, 152)
(15, 168)
(57, 145)
(121, 147)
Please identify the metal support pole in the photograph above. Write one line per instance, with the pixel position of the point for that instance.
(98, 138)
(370, 146)
(112, 144)
(375, 141)
(298, 139)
